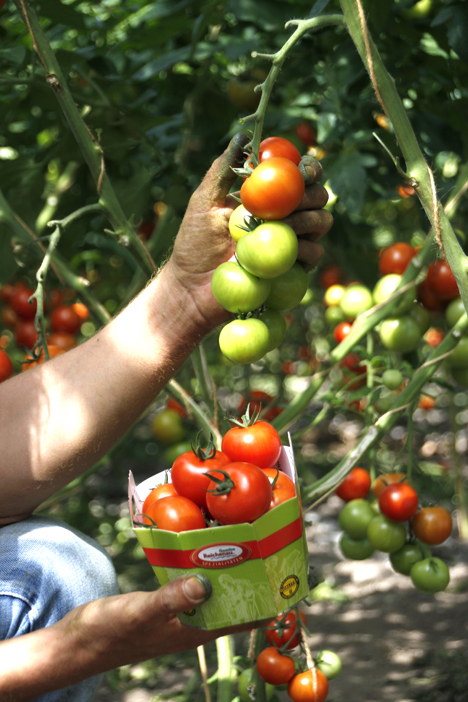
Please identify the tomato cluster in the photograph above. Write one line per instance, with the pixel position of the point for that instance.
(382, 524)
(276, 666)
(63, 316)
(237, 484)
(265, 278)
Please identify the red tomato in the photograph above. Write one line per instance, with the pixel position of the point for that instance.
(189, 473)
(406, 191)
(331, 275)
(432, 525)
(146, 228)
(426, 402)
(352, 363)
(283, 631)
(274, 190)
(25, 333)
(258, 400)
(428, 298)
(6, 366)
(441, 280)
(311, 686)
(434, 336)
(19, 302)
(65, 319)
(277, 146)
(28, 361)
(398, 502)
(341, 331)
(395, 258)
(248, 498)
(283, 488)
(65, 340)
(176, 513)
(356, 485)
(157, 493)
(259, 444)
(274, 668)
(386, 479)
(81, 310)
(172, 404)
(306, 134)
(9, 317)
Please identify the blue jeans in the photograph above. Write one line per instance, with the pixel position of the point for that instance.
(47, 569)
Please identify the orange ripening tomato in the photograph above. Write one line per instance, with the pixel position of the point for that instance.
(432, 525)
(81, 310)
(9, 317)
(30, 363)
(386, 479)
(406, 191)
(426, 402)
(434, 336)
(176, 513)
(311, 686)
(282, 486)
(157, 493)
(277, 146)
(383, 121)
(274, 190)
(65, 340)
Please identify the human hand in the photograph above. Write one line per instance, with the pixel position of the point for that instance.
(130, 628)
(204, 241)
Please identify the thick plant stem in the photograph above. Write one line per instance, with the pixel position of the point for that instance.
(417, 170)
(225, 650)
(90, 148)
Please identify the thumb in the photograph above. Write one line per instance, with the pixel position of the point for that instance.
(185, 593)
(220, 178)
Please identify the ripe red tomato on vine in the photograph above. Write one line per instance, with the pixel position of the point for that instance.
(283, 631)
(398, 502)
(331, 275)
(386, 479)
(356, 485)
(157, 493)
(273, 190)
(341, 331)
(176, 513)
(19, 302)
(395, 258)
(274, 668)
(65, 319)
(6, 366)
(306, 133)
(25, 333)
(29, 361)
(441, 280)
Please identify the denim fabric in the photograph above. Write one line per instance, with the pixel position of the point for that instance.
(47, 569)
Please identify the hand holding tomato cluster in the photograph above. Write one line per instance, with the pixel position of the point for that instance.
(238, 484)
(265, 279)
(368, 527)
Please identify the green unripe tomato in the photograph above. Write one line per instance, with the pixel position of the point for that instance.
(460, 376)
(177, 450)
(355, 549)
(167, 427)
(288, 289)
(244, 340)
(386, 535)
(329, 663)
(401, 334)
(241, 222)
(356, 299)
(420, 315)
(334, 315)
(430, 575)
(269, 251)
(243, 682)
(404, 559)
(237, 290)
(420, 10)
(386, 286)
(459, 356)
(392, 379)
(276, 325)
(308, 297)
(454, 311)
(355, 517)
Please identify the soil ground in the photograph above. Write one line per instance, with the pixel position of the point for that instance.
(372, 617)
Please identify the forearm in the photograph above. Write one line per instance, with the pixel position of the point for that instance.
(59, 418)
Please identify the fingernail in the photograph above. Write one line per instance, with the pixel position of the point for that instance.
(198, 588)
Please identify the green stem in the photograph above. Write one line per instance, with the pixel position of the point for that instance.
(41, 275)
(417, 170)
(226, 671)
(200, 417)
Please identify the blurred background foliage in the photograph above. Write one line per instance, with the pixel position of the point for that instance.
(161, 86)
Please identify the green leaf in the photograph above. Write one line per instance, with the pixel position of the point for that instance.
(458, 31)
(16, 54)
(8, 265)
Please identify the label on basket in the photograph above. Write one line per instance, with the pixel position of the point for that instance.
(221, 555)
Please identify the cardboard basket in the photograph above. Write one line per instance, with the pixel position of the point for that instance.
(257, 570)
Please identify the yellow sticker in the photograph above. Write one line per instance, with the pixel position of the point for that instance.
(190, 612)
(289, 586)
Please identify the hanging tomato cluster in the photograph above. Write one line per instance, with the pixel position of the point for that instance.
(238, 484)
(306, 677)
(265, 279)
(395, 524)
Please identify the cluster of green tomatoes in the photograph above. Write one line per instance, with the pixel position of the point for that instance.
(263, 278)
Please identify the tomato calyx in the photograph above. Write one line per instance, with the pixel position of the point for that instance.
(247, 419)
(223, 486)
(203, 454)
